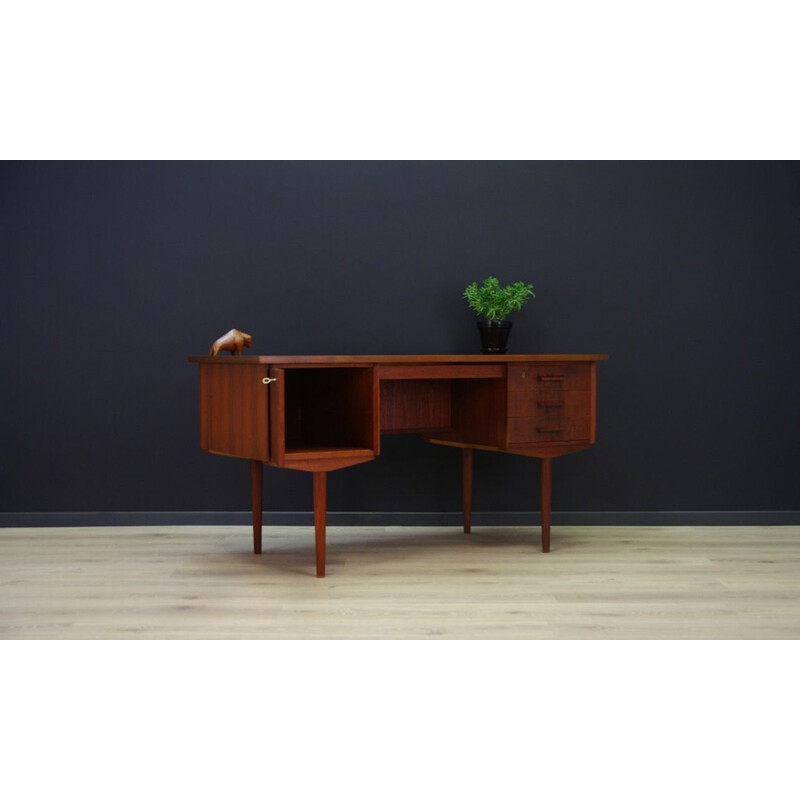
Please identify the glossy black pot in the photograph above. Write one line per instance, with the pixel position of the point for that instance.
(494, 337)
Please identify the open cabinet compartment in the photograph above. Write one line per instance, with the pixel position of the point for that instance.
(478, 412)
(324, 411)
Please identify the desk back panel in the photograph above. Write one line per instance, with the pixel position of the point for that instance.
(415, 406)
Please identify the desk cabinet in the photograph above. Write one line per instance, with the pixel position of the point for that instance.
(321, 413)
(551, 403)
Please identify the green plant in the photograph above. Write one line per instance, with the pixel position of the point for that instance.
(495, 304)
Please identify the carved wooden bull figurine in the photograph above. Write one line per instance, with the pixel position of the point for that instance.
(233, 340)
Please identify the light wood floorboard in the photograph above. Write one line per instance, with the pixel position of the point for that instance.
(401, 583)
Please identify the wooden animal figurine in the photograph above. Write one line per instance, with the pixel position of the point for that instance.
(233, 340)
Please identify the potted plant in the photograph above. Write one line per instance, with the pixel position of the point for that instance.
(494, 304)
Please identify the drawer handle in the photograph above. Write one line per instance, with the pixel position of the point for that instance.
(551, 377)
(267, 381)
(550, 430)
(550, 404)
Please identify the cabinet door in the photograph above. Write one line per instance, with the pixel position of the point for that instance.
(234, 409)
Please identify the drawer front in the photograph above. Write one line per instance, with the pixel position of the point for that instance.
(549, 377)
(533, 404)
(532, 418)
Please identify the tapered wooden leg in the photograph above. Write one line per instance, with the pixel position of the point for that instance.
(545, 488)
(320, 503)
(256, 475)
(466, 481)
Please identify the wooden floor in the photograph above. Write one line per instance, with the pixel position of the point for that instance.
(401, 583)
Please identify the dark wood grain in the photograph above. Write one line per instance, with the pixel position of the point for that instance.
(593, 415)
(256, 488)
(321, 416)
(538, 377)
(538, 450)
(234, 410)
(326, 460)
(470, 358)
(320, 506)
(330, 408)
(413, 406)
(277, 417)
(570, 419)
(479, 412)
(466, 483)
(440, 371)
(527, 404)
(545, 490)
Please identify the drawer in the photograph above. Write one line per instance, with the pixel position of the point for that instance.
(533, 376)
(531, 404)
(532, 419)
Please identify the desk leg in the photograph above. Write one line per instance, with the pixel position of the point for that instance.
(545, 486)
(256, 482)
(320, 503)
(466, 481)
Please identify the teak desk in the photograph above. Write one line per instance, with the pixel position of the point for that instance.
(321, 413)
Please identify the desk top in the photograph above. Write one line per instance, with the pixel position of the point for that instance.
(384, 359)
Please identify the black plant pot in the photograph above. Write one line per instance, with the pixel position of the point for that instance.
(494, 337)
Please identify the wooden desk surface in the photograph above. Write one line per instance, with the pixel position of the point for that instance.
(396, 359)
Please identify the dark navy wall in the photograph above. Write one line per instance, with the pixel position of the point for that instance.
(685, 273)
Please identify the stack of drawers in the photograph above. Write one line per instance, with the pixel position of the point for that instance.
(549, 403)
